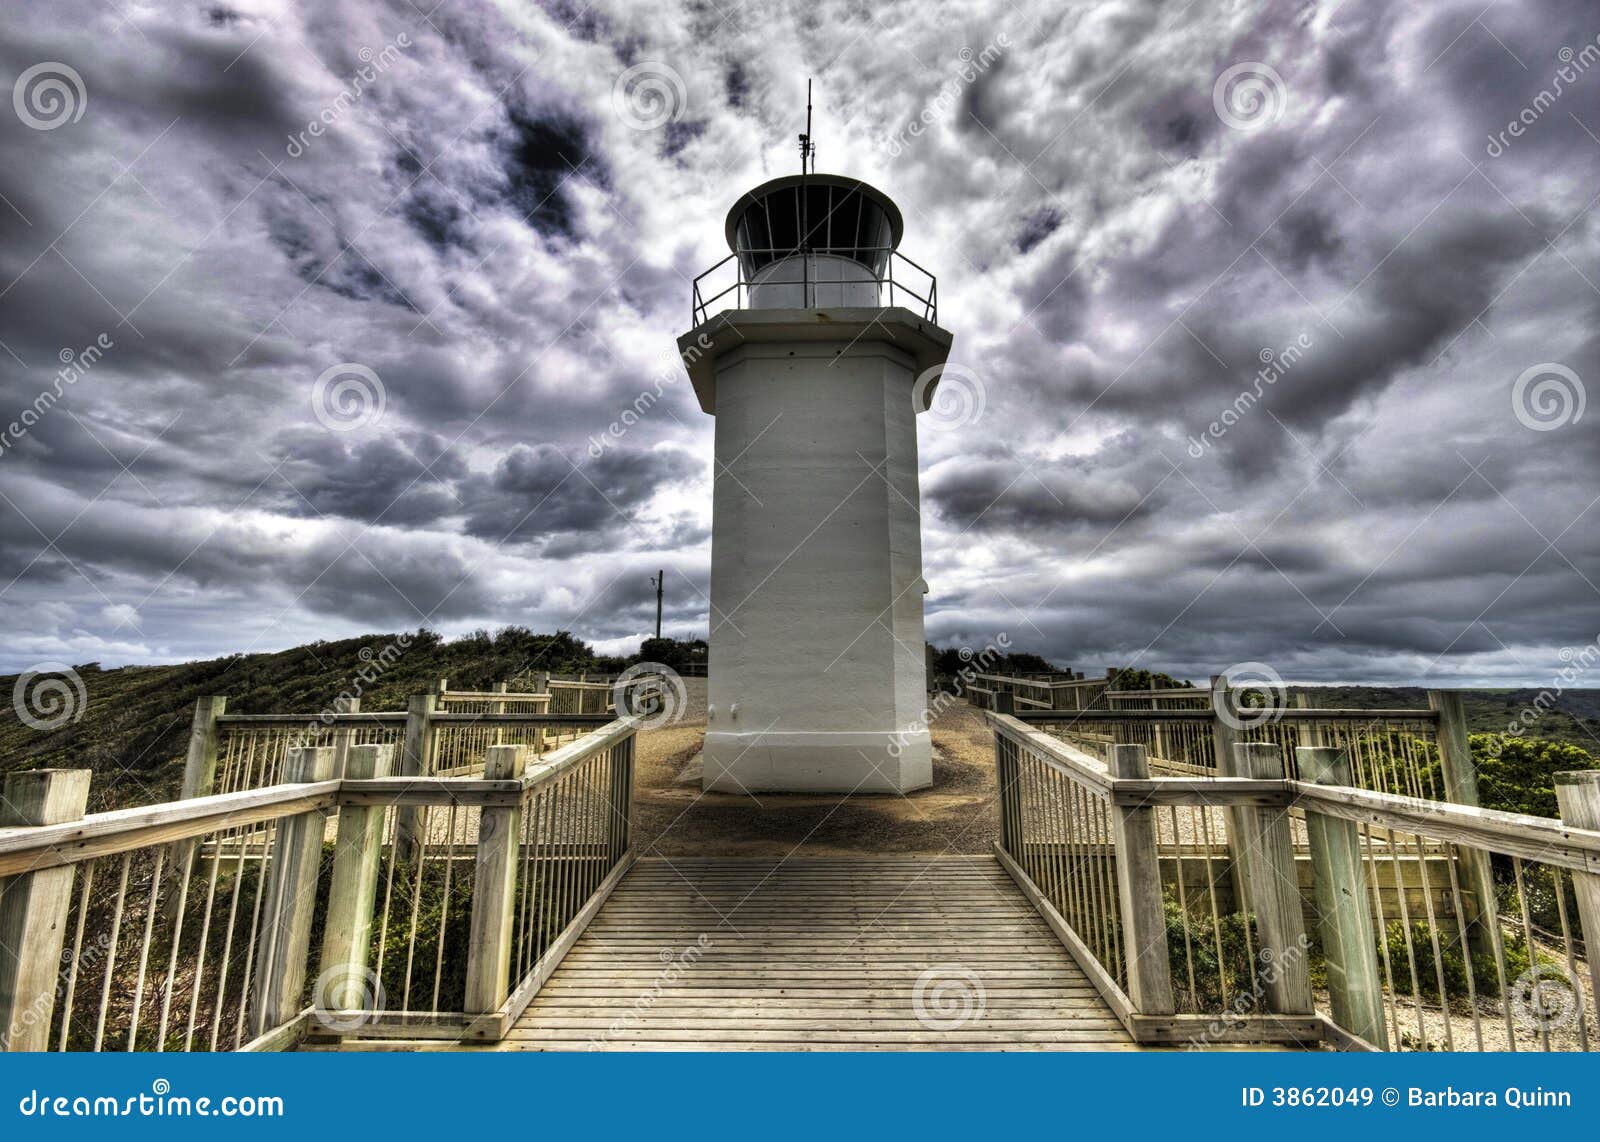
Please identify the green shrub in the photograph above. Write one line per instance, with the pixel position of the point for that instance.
(1218, 980)
(438, 916)
(1452, 963)
(1517, 774)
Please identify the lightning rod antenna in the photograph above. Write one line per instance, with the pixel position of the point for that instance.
(808, 149)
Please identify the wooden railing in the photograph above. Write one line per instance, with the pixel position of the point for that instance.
(1409, 751)
(1260, 907)
(1061, 692)
(369, 904)
(444, 732)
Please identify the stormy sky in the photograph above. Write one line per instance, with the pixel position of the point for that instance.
(1271, 330)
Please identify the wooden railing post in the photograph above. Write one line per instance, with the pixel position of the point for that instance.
(1225, 738)
(34, 907)
(1481, 912)
(1266, 845)
(620, 830)
(342, 735)
(416, 760)
(199, 780)
(1578, 795)
(200, 766)
(1003, 702)
(1224, 735)
(1343, 906)
(291, 896)
(494, 889)
(1311, 733)
(1005, 773)
(357, 850)
(1144, 920)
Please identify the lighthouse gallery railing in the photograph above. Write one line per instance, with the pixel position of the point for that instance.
(920, 294)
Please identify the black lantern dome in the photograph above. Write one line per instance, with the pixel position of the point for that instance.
(822, 214)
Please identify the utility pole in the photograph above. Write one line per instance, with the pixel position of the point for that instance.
(659, 582)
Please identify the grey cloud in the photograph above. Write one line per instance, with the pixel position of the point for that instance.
(1112, 259)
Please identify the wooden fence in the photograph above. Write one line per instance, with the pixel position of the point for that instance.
(1192, 731)
(350, 897)
(1247, 903)
(443, 732)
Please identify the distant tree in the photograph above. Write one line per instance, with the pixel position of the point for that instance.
(1023, 663)
(1129, 678)
(673, 652)
(1517, 774)
(949, 664)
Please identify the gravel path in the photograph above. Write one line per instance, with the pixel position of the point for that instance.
(956, 814)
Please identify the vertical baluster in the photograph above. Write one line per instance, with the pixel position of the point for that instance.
(86, 895)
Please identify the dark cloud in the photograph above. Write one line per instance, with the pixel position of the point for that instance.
(541, 156)
(537, 493)
(512, 259)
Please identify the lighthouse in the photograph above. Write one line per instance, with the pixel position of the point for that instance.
(814, 344)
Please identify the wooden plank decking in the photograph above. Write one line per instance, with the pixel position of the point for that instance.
(818, 954)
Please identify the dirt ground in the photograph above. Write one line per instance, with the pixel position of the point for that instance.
(672, 817)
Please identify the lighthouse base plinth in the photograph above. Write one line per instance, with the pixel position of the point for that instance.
(791, 761)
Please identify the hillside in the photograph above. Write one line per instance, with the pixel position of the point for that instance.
(134, 727)
(1572, 717)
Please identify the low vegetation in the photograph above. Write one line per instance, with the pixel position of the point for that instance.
(133, 728)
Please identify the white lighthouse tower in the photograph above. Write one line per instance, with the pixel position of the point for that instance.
(815, 344)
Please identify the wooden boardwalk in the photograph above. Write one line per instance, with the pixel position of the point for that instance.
(850, 953)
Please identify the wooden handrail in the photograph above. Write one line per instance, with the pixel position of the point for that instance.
(1052, 684)
(1542, 839)
(378, 717)
(25, 849)
(398, 717)
(1288, 715)
(1054, 752)
(121, 830)
(553, 764)
(170, 857)
(446, 718)
(1086, 770)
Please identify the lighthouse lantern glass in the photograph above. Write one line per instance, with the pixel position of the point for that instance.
(822, 241)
